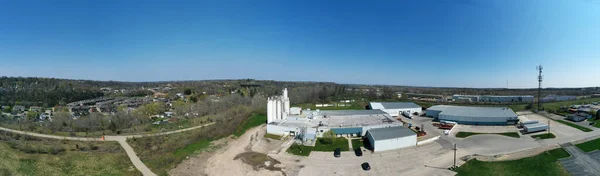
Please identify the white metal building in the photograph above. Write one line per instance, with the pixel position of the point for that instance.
(474, 115)
(396, 108)
(494, 98)
(382, 139)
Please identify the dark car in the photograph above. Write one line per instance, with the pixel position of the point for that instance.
(365, 166)
(337, 152)
(358, 152)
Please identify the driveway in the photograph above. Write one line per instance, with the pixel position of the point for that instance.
(581, 163)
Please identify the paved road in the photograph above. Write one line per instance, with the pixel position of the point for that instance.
(121, 139)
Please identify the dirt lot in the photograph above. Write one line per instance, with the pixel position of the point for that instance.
(243, 156)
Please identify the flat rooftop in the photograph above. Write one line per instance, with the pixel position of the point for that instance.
(393, 105)
(390, 133)
(338, 118)
(474, 111)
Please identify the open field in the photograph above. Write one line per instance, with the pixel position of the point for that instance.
(462, 134)
(544, 136)
(556, 105)
(584, 129)
(254, 121)
(24, 155)
(543, 164)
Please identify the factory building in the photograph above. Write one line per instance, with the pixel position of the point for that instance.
(382, 139)
(474, 115)
(494, 98)
(278, 107)
(558, 98)
(396, 108)
(307, 125)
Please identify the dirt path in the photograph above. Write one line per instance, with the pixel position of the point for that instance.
(121, 139)
(228, 161)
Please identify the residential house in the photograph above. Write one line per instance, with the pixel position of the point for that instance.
(18, 108)
(35, 109)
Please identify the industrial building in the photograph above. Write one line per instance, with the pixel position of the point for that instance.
(382, 139)
(307, 124)
(396, 108)
(558, 98)
(474, 115)
(494, 98)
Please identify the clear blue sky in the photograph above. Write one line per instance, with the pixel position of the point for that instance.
(454, 43)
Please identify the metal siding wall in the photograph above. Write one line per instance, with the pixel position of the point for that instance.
(392, 144)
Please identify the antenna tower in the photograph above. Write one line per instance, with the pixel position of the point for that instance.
(540, 78)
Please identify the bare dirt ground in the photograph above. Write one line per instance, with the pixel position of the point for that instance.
(245, 155)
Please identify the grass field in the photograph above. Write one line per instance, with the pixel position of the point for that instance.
(556, 105)
(544, 136)
(590, 145)
(107, 159)
(299, 150)
(254, 121)
(584, 129)
(462, 134)
(357, 143)
(341, 143)
(272, 136)
(545, 164)
(190, 149)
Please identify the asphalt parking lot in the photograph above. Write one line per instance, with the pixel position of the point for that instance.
(581, 163)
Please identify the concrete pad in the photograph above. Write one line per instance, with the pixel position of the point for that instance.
(491, 144)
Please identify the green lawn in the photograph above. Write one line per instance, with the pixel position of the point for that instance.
(272, 136)
(544, 164)
(590, 145)
(254, 121)
(584, 129)
(69, 162)
(555, 106)
(190, 149)
(544, 136)
(322, 145)
(300, 150)
(357, 143)
(462, 134)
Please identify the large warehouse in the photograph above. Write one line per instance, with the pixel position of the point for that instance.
(382, 139)
(396, 108)
(474, 115)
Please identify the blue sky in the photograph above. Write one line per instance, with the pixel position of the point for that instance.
(449, 43)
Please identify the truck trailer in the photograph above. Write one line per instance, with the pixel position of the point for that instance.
(530, 128)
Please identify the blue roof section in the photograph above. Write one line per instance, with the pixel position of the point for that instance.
(347, 130)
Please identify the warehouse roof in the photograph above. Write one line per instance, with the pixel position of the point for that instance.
(471, 111)
(393, 105)
(351, 112)
(390, 133)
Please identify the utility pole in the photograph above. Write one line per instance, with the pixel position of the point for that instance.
(454, 165)
(540, 78)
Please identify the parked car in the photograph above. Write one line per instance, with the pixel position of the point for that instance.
(358, 152)
(365, 166)
(337, 152)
